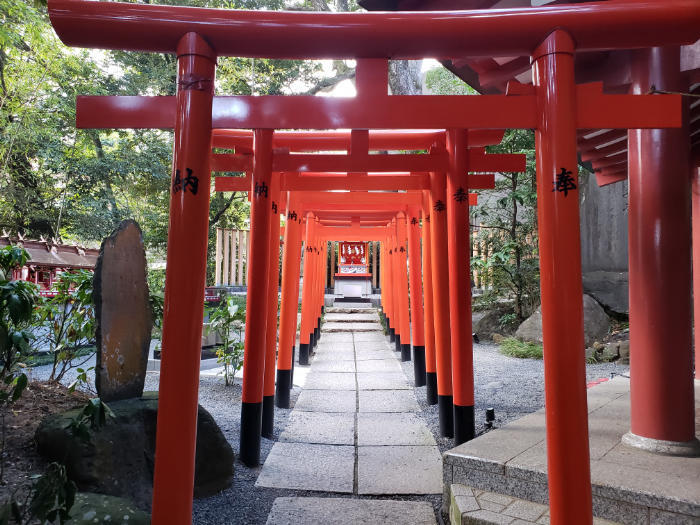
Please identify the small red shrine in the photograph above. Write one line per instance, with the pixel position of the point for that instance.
(353, 278)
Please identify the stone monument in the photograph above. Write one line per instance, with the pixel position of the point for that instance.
(122, 314)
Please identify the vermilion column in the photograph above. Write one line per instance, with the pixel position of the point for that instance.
(428, 315)
(306, 296)
(256, 298)
(402, 276)
(184, 284)
(661, 368)
(268, 418)
(568, 464)
(414, 272)
(696, 264)
(291, 262)
(396, 286)
(459, 249)
(441, 302)
(387, 271)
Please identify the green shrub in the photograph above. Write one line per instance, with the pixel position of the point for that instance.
(513, 347)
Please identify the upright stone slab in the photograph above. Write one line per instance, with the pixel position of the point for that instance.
(122, 313)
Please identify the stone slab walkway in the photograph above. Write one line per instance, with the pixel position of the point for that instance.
(342, 511)
(354, 430)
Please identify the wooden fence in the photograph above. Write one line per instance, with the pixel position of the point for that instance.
(232, 247)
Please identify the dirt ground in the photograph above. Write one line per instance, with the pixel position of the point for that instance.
(19, 460)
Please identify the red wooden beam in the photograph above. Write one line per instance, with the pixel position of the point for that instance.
(294, 182)
(333, 140)
(397, 35)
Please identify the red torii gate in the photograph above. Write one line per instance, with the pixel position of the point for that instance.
(555, 108)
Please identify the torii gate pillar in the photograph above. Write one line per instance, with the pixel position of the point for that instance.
(661, 378)
(568, 464)
(184, 284)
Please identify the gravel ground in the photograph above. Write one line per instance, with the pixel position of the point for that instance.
(513, 387)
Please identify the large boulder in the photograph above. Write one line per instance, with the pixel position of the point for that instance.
(596, 323)
(118, 458)
(490, 325)
(90, 508)
(123, 318)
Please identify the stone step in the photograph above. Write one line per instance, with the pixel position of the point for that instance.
(329, 327)
(352, 318)
(470, 506)
(353, 309)
(629, 485)
(341, 511)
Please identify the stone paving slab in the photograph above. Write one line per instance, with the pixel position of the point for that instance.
(370, 355)
(382, 381)
(331, 381)
(399, 470)
(319, 428)
(352, 318)
(392, 429)
(332, 365)
(345, 511)
(304, 466)
(388, 401)
(336, 345)
(379, 365)
(335, 337)
(331, 355)
(330, 327)
(326, 401)
(375, 337)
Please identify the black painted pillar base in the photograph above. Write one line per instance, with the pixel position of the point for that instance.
(392, 335)
(251, 426)
(318, 330)
(405, 352)
(284, 385)
(268, 417)
(294, 358)
(317, 335)
(397, 342)
(464, 423)
(445, 413)
(304, 353)
(431, 395)
(419, 365)
(312, 336)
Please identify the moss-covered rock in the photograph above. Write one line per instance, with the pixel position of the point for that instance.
(91, 508)
(118, 458)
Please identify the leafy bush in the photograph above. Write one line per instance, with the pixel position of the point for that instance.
(17, 300)
(513, 347)
(69, 320)
(222, 319)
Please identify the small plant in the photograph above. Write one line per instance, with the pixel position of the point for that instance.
(507, 319)
(81, 379)
(513, 347)
(50, 500)
(92, 416)
(69, 318)
(222, 319)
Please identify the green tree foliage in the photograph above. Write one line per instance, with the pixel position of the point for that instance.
(507, 215)
(77, 185)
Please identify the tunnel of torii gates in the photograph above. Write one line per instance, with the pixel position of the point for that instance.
(554, 106)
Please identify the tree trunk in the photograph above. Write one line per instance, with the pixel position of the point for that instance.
(405, 77)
